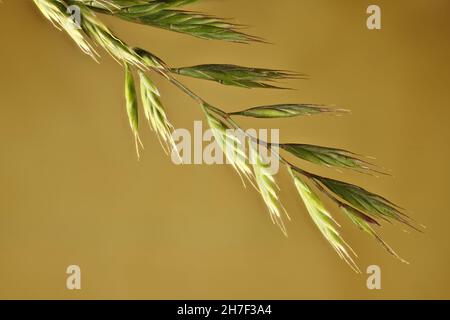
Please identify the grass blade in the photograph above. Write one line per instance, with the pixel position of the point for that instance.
(364, 200)
(231, 145)
(238, 76)
(191, 23)
(56, 12)
(132, 105)
(119, 50)
(155, 113)
(134, 6)
(330, 157)
(361, 221)
(286, 111)
(268, 188)
(150, 60)
(324, 221)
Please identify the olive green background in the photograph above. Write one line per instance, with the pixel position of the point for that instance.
(73, 192)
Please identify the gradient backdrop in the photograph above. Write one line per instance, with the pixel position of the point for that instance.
(73, 192)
